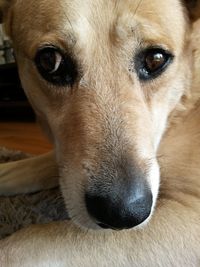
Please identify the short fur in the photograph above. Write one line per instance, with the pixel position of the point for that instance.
(108, 119)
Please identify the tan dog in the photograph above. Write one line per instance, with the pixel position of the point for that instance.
(116, 83)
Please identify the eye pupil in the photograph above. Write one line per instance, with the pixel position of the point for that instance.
(48, 61)
(151, 62)
(154, 61)
(55, 66)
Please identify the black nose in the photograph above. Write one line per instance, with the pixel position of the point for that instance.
(120, 209)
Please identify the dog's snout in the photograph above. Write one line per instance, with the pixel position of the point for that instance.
(122, 209)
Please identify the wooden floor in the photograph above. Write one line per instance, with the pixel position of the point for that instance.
(26, 137)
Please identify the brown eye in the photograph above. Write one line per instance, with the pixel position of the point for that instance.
(55, 66)
(152, 62)
(50, 61)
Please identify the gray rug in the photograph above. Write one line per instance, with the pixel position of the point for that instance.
(20, 211)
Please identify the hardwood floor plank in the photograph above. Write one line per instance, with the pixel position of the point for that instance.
(26, 137)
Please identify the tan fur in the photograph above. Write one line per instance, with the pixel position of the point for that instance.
(107, 116)
(44, 166)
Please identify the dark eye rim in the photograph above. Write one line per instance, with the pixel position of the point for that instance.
(139, 63)
(67, 59)
(46, 47)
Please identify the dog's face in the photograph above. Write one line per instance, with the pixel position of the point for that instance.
(104, 76)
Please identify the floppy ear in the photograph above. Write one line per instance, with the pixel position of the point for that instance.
(193, 7)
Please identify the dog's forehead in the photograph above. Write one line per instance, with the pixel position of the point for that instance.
(98, 18)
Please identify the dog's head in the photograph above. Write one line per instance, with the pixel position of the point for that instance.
(104, 77)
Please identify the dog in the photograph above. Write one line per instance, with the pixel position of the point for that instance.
(115, 84)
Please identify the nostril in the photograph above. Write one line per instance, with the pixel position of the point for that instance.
(119, 213)
(96, 206)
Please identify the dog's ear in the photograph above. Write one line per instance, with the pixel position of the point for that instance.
(193, 7)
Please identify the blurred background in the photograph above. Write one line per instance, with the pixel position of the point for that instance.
(18, 126)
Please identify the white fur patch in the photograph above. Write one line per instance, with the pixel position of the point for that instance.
(154, 181)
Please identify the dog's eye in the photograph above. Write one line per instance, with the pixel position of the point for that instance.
(151, 62)
(55, 66)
